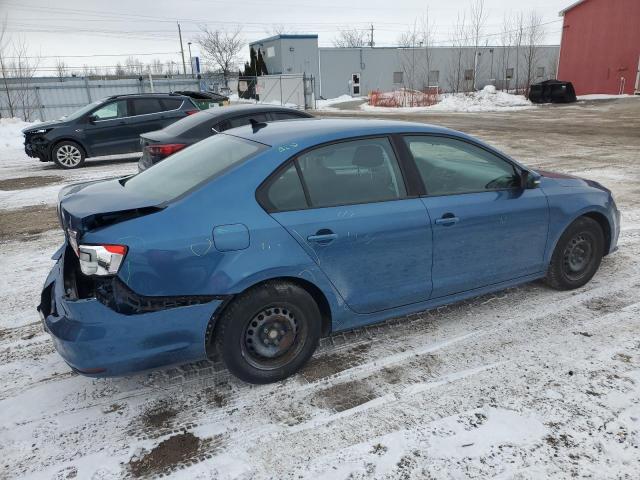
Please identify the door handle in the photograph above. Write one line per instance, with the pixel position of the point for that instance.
(447, 220)
(322, 237)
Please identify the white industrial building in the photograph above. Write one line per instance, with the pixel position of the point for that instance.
(358, 71)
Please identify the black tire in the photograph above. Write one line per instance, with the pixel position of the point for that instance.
(68, 155)
(245, 338)
(577, 255)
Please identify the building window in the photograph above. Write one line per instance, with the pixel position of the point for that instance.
(509, 73)
(271, 52)
(468, 74)
(398, 77)
(540, 72)
(434, 78)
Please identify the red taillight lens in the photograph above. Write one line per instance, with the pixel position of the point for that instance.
(101, 259)
(164, 150)
(118, 249)
(191, 112)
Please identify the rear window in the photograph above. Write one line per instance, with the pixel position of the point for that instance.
(185, 124)
(171, 103)
(192, 167)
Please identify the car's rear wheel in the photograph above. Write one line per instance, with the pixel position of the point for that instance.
(268, 332)
(577, 255)
(68, 155)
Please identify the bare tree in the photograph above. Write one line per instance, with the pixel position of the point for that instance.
(62, 70)
(119, 71)
(156, 67)
(534, 35)
(477, 20)
(22, 68)
(459, 61)
(280, 28)
(351, 38)
(222, 48)
(4, 66)
(519, 31)
(415, 53)
(507, 39)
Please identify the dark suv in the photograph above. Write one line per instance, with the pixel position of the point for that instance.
(107, 127)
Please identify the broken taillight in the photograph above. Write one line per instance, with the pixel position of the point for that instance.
(164, 150)
(191, 112)
(101, 260)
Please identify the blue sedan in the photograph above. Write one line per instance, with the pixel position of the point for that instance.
(259, 241)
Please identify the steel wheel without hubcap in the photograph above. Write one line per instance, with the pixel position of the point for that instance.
(68, 156)
(270, 339)
(577, 255)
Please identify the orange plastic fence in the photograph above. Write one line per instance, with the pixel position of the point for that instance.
(405, 98)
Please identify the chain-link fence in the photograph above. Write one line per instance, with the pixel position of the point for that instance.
(49, 99)
(295, 91)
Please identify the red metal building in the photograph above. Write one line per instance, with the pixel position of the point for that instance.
(600, 49)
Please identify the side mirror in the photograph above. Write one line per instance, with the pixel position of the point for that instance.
(529, 180)
(92, 118)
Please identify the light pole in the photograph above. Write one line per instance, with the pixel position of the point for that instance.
(191, 60)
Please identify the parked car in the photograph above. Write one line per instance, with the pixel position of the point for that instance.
(259, 241)
(106, 127)
(162, 143)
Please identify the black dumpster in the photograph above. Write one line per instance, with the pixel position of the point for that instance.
(552, 91)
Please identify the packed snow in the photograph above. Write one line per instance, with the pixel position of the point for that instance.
(486, 100)
(329, 103)
(604, 96)
(527, 383)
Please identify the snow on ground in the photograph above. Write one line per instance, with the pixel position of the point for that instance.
(527, 383)
(15, 164)
(486, 100)
(604, 96)
(328, 104)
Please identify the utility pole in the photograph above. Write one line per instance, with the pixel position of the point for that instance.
(371, 40)
(184, 65)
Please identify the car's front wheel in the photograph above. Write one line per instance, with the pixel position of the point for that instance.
(268, 332)
(68, 155)
(577, 255)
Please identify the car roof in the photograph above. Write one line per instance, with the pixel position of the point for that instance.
(248, 109)
(313, 131)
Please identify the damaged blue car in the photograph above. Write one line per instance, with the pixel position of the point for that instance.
(258, 241)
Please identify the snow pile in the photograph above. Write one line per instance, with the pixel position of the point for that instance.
(327, 104)
(11, 132)
(604, 96)
(486, 100)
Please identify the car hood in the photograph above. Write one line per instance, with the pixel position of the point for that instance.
(41, 125)
(567, 180)
(91, 205)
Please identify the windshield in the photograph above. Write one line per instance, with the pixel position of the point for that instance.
(84, 110)
(192, 167)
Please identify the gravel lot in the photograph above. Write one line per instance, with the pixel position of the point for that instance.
(526, 383)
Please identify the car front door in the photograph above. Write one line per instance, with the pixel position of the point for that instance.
(346, 204)
(486, 228)
(106, 131)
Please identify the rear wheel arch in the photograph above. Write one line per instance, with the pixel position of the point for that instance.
(316, 293)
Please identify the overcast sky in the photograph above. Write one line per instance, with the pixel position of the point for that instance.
(98, 32)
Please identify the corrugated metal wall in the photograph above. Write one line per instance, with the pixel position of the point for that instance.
(35, 99)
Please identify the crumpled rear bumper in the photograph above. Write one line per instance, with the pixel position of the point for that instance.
(98, 341)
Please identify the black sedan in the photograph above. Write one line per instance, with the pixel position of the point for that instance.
(158, 145)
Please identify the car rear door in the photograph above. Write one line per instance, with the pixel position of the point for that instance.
(146, 117)
(346, 204)
(486, 228)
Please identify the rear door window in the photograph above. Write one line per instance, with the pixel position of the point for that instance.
(246, 120)
(145, 106)
(358, 171)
